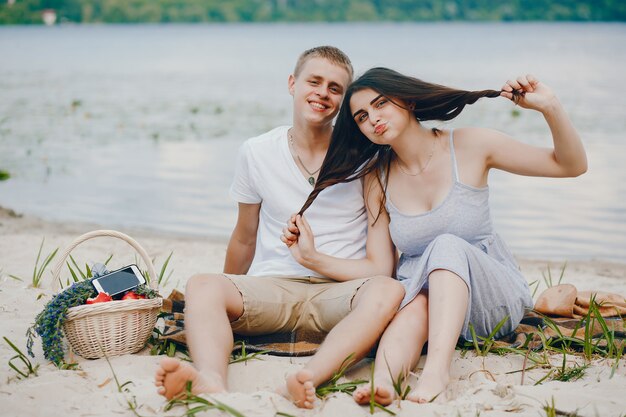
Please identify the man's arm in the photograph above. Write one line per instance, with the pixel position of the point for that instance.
(242, 244)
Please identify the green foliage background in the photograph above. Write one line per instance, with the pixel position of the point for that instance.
(161, 11)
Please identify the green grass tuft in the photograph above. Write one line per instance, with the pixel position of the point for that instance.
(195, 404)
(159, 346)
(120, 387)
(331, 386)
(243, 355)
(29, 368)
(38, 270)
(399, 382)
(551, 410)
(162, 279)
(373, 403)
(487, 343)
(547, 279)
(573, 373)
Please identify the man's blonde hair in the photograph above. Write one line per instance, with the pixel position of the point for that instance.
(331, 53)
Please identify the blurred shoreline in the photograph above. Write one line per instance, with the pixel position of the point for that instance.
(20, 228)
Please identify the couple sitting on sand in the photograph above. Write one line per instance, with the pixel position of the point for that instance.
(378, 183)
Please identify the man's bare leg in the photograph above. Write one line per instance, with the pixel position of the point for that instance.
(447, 305)
(374, 306)
(399, 351)
(211, 303)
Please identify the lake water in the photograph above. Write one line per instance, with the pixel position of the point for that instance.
(138, 125)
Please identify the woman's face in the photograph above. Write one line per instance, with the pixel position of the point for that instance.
(378, 118)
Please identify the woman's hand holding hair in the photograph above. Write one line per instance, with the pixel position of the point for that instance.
(566, 159)
(529, 93)
(290, 232)
(298, 236)
(379, 254)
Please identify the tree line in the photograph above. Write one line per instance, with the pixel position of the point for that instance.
(196, 11)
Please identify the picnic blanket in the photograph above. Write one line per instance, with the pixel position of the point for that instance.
(296, 343)
(560, 311)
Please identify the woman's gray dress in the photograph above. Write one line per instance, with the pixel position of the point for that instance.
(458, 236)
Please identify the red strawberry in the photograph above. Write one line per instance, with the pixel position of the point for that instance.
(102, 297)
(132, 295)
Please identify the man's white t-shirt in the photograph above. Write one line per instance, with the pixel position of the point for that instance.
(266, 173)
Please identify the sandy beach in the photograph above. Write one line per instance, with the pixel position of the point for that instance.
(485, 386)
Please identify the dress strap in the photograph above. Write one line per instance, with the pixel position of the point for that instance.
(455, 169)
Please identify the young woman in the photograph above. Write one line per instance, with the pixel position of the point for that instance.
(427, 195)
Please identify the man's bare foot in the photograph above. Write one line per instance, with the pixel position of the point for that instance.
(384, 394)
(300, 388)
(172, 377)
(429, 387)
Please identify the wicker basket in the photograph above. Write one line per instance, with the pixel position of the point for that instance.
(114, 328)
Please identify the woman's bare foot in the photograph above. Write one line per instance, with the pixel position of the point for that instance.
(300, 388)
(173, 375)
(429, 387)
(384, 394)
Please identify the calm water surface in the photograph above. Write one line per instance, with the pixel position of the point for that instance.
(138, 126)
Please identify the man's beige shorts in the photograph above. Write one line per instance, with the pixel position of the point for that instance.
(286, 303)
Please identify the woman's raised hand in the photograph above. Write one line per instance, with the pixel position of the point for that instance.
(530, 93)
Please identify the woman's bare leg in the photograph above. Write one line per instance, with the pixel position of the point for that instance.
(398, 352)
(374, 306)
(447, 305)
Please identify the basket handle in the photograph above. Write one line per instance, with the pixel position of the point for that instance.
(100, 233)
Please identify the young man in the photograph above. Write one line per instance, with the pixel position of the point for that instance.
(263, 289)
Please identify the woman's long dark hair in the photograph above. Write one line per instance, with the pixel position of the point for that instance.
(351, 155)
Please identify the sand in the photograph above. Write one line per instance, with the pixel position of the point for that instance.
(481, 386)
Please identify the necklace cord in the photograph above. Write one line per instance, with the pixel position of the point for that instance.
(430, 157)
(311, 174)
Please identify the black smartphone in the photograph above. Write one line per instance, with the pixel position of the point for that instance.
(119, 281)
